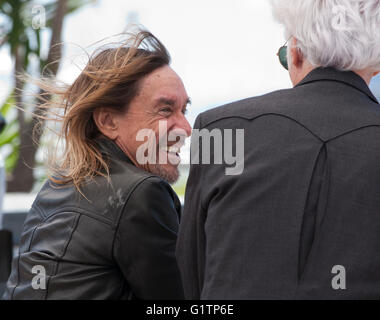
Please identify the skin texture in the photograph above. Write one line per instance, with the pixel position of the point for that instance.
(161, 101)
(299, 67)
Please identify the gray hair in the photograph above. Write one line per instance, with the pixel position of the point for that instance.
(344, 34)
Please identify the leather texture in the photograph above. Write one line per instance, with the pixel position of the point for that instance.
(118, 244)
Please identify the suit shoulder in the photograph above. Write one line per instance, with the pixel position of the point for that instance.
(245, 109)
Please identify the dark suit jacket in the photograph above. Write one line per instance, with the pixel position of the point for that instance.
(308, 199)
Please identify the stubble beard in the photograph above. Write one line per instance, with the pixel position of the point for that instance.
(170, 175)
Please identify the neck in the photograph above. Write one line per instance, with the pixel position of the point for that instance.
(299, 74)
(365, 74)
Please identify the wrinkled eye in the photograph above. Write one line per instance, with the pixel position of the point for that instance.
(166, 110)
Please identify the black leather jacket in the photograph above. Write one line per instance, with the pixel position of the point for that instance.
(120, 245)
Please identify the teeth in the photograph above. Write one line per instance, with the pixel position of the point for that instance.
(172, 149)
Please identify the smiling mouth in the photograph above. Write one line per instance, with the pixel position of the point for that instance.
(172, 150)
(170, 154)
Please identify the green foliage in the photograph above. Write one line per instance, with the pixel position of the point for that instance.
(16, 31)
(10, 135)
(180, 189)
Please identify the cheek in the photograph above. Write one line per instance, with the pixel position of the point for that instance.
(160, 128)
(127, 133)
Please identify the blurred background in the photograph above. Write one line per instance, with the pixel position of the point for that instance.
(224, 50)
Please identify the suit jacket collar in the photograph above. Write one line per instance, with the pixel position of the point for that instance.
(348, 77)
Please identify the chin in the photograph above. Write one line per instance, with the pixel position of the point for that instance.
(167, 172)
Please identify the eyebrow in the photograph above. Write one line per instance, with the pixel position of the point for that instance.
(167, 101)
(171, 102)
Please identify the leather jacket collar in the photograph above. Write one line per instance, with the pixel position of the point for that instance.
(111, 149)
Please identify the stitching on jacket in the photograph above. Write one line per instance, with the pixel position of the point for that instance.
(37, 207)
(19, 252)
(36, 227)
(54, 273)
(253, 119)
(264, 115)
(294, 120)
(352, 131)
(299, 274)
(321, 213)
(80, 211)
(18, 276)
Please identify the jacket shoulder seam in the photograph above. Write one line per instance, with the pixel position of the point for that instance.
(80, 211)
(264, 115)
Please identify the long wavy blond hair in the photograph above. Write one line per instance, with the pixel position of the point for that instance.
(110, 79)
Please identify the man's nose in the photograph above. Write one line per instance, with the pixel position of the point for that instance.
(184, 125)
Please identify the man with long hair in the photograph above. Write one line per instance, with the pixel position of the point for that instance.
(104, 226)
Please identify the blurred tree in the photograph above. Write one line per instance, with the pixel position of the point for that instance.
(20, 29)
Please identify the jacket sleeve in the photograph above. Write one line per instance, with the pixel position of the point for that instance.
(145, 242)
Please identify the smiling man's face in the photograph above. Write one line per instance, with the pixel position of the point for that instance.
(161, 102)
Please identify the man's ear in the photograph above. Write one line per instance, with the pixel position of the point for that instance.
(105, 120)
(296, 55)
